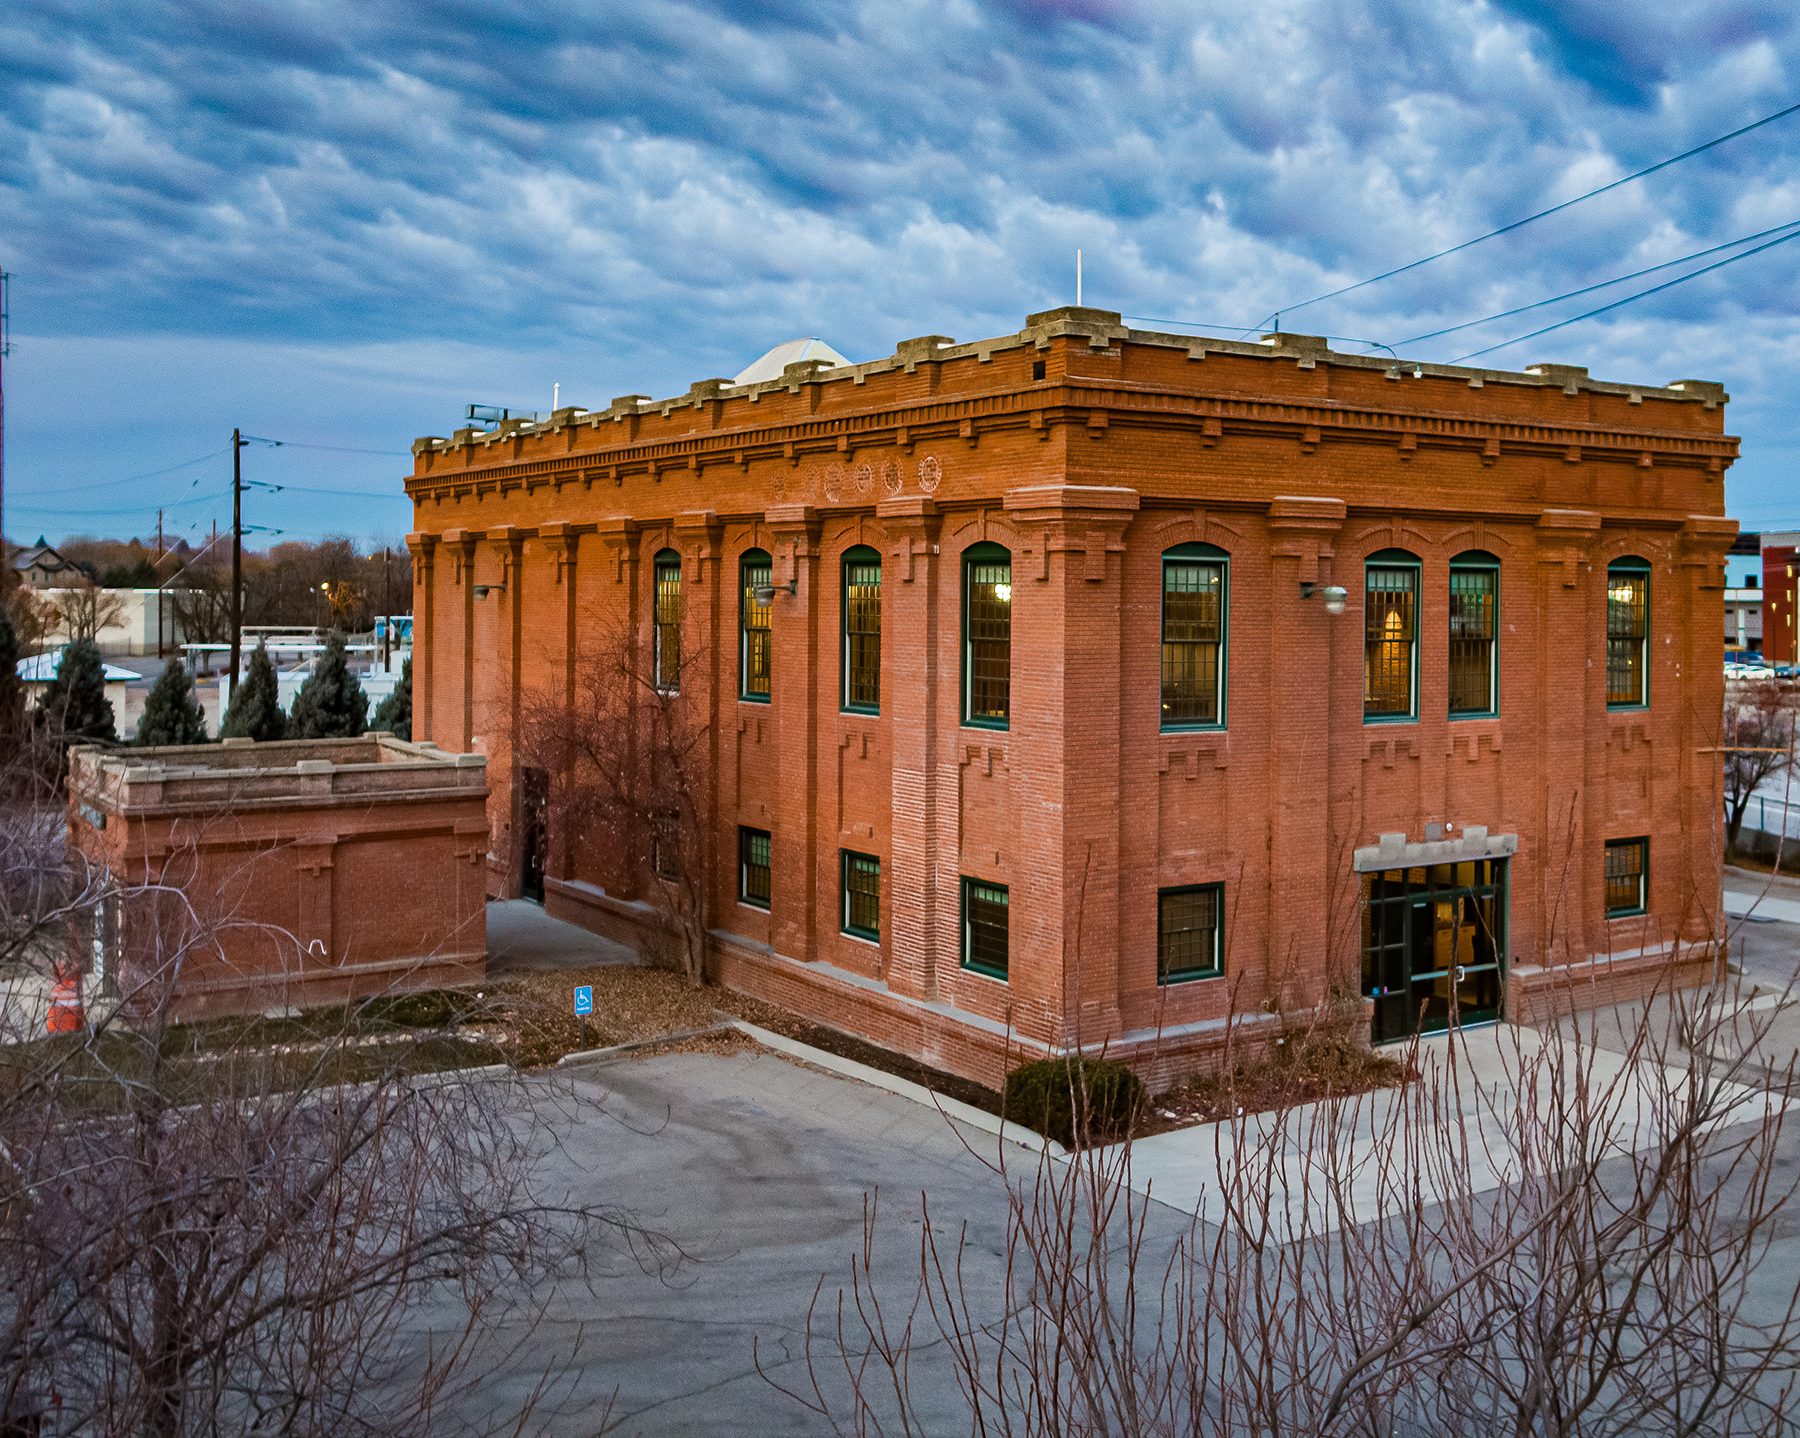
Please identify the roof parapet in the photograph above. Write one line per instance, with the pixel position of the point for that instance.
(1099, 327)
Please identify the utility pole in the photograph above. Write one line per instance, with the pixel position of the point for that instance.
(6, 569)
(237, 551)
(161, 633)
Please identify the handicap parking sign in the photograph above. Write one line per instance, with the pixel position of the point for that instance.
(584, 1000)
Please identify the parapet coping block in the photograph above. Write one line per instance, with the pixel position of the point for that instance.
(1395, 851)
(314, 766)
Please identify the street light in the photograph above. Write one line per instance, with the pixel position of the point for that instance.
(765, 593)
(1334, 595)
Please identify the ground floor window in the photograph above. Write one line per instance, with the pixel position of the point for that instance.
(1189, 935)
(1627, 877)
(753, 867)
(984, 928)
(862, 895)
(1434, 945)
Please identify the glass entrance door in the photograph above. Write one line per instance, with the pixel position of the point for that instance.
(1434, 951)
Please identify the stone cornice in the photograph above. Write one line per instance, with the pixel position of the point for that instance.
(1094, 406)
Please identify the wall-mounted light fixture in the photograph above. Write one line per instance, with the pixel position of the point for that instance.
(483, 590)
(1334, 595)
(765, 593)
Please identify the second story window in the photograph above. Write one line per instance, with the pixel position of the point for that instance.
(666, 641)
(987, 636)
(754, 647)
(1474, 625)
(862, 631)
(1627, 633)
(1193, 637)
(1390, 635)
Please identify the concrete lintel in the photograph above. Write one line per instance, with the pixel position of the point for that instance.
(1395, 851)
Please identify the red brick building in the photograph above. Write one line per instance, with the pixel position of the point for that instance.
(300, 872)
(1088, 684)
(1781, 597)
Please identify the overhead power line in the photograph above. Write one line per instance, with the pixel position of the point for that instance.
(1602, 285)
(1628, 299)
(1519, 224)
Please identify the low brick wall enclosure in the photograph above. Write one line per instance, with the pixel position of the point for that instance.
(258, 876)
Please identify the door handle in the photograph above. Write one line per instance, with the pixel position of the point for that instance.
(1461, 973)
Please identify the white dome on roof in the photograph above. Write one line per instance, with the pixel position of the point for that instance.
(784, 354)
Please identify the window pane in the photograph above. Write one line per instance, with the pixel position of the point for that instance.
(1192, 641)
(1389, 631)
(668, 623)
(984, 928)
(1474, 595)
(755, 656)
(862, 635)
(862, 895)
(1187, 933)
(753, 867)
(989, 638)
(1627, 864)
(1627, 630)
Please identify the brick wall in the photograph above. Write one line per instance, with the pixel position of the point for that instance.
(1087, 451)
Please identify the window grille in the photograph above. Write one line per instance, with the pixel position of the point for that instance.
(1189, 944)
(1390, 637)
(667, 639)
(862, 895)
(755, 647)
(1627, 633)
(1193, 641)
(1627, 876)
(862, 632)
(754, 886)
(984, 923)
(1474, 622)
(987, 635)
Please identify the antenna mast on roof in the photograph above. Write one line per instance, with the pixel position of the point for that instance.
(1078, 277)
(5, 349)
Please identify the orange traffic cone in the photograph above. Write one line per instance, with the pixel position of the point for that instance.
(66, 1016)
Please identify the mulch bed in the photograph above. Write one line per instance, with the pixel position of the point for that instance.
(1305, 1071)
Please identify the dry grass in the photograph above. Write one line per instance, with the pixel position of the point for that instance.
(1304, 1071)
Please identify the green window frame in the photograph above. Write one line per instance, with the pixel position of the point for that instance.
(1474, 636)
(1627, 634)
(1190, 933)
(1390, 636)
(862, 631)
(755, 871)
(861, 908)
(668, 609)
(1195, 600)
(1627, 877)
(987, 637)
(755, 640)
(985, 928)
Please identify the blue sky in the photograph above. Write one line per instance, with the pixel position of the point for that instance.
(337, 222)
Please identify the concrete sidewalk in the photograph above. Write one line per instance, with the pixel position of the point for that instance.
(1753, 904)
(1368, 1157)
(522, 938)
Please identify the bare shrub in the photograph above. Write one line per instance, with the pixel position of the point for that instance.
(249, 1227)
(1759, 746)
(1577, 1249)
(625, 757)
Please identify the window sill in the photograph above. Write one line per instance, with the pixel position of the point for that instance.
(744, 903)
(1628, 708)
(1172, 981)
(1390, 718)
(872, 940)
(994, 974)
(1612, 914)
(754, 698)
(991, 726)
(858, 713)
(1195, 727)
(1474, 714)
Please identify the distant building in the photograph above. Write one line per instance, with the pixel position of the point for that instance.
(1780, 596)
(37, 671)
(136, 621)
(38, 566)
(1092, 685)
(1744, 595)
(314, 870)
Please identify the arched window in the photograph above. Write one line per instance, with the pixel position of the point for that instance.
(987, 636)
(1474, 635)
(1193, 636)
(756, 573)
(862, 631)
(1391, 635)
(1627, 633)
(666, 639)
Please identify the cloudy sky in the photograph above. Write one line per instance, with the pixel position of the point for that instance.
(337, 222)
